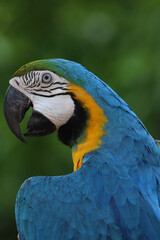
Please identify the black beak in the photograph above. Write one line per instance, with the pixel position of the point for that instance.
(16, 105)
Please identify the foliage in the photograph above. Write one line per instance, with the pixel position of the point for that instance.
(117, 40)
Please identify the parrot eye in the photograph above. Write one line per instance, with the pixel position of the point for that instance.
(46, 78)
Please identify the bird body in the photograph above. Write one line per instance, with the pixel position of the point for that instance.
(114, 191)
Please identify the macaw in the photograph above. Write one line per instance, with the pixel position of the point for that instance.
(114, 190)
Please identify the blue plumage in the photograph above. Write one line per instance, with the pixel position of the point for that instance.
(114, 195)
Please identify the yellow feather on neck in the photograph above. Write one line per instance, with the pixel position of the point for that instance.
(95, 126)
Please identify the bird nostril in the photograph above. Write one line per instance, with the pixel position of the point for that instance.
(17, 82)
(13, 82)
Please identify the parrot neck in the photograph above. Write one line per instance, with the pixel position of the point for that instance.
(90, 139)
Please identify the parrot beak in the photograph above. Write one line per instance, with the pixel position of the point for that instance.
(16, 105)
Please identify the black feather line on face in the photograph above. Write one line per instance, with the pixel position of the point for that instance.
(73, 129)
(51, 96)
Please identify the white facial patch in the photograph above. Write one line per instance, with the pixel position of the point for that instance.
(48, 93)
(58, 109)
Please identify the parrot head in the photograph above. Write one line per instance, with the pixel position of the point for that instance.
(63, 97)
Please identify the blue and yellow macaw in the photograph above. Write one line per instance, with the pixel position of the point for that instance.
(114, 191)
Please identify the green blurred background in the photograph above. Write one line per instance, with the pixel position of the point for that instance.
(117, 40)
